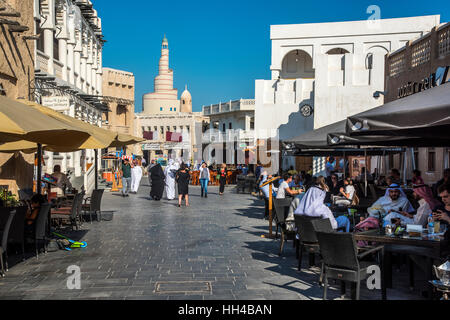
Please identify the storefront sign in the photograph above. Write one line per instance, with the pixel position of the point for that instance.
(57, 103)
(151, 146)
(435, 79)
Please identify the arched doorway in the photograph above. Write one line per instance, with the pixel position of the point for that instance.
(297, 64)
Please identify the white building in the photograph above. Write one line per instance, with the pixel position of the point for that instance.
(68, 70)
(327, 71)
(232, 121)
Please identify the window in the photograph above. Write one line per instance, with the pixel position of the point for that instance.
(229, 126)
(160, 109)
(431, 159)
(174, 109)
(55, 49)
(162, 130)
(184, 101)
(40, 41)
(170, 108)
(175, 128)
(156, 128)
(187, 128)
(252, 123)
(223, 127)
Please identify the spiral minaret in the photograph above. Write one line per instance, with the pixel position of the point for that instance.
(164, 99)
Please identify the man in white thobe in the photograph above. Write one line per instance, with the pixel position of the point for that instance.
(170, 173)
(136, 175)
(391, 204)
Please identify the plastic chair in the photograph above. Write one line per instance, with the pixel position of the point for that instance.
(4, 244)
(341, 259)
(93, 203)
(281, 206)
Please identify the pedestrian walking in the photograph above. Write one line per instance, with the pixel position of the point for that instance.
(204, 179)
(126, 177)
(170, 174)
(157, 182)
(223, 178)
(136, 176)
(182, 179)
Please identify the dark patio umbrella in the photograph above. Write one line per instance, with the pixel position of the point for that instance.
(424, 114)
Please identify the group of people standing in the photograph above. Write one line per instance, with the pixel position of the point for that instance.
(132, 174)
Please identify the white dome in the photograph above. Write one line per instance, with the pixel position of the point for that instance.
(186, 95)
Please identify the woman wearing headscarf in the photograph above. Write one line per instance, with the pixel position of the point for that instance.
(312, 205)
(170, 173)
(157, 178)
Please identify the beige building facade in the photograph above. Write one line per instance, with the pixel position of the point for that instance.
(16, 72)
(118, 92)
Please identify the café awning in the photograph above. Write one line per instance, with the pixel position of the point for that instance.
(98, 138)
(425, 114)
(18, 121)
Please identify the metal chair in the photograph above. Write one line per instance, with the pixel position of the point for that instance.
(4, 244)
(40, 227)
(93, 203)
(307, 239)
(281, 206)
(71, 214)
(341, 259)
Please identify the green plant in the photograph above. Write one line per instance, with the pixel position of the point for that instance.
(8, 198)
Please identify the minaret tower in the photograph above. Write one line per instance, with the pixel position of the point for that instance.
(164, 99)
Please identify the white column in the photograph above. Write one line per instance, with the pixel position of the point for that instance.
(48, 48)
(77, 164)
(63, 57)
(70, 63)
(49, 163)
(77, 62)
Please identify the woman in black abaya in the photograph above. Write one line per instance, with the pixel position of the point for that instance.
(157, 178)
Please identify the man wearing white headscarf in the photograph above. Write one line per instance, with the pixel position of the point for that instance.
(136, 175)
(170, 173)
(311, 205)
(394, 200)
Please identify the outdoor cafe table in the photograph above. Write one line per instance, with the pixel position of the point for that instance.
(431, 247)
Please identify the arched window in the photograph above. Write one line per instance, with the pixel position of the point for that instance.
(297, 64)
(337, 51)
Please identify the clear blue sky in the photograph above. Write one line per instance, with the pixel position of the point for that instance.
(219, 48)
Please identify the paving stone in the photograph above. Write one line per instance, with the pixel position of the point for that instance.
(215, 239)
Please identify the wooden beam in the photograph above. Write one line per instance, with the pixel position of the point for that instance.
(10, 14)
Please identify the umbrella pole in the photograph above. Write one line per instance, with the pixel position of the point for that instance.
(96, 168)
(365, 173)
(404, 167)
(39, 168)
(344, 163)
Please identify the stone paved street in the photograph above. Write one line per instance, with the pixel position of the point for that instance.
(155, 250)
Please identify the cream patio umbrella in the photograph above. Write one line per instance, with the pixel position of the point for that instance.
(18, 121)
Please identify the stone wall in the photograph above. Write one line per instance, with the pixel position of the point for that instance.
(16, 67)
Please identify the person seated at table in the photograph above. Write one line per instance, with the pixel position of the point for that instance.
(394, 200)
(382, 181)
(395, 174)
(346, 193)
(62, 182)
(244, 170)
(296, 182)
(424, 197)
(362, 176)
(417, 179)
(442, 211)
(33, 210)
(312, 205)
(292, 171)
(334, 185)
(265, 192)
(444, 180)
(284, 187)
